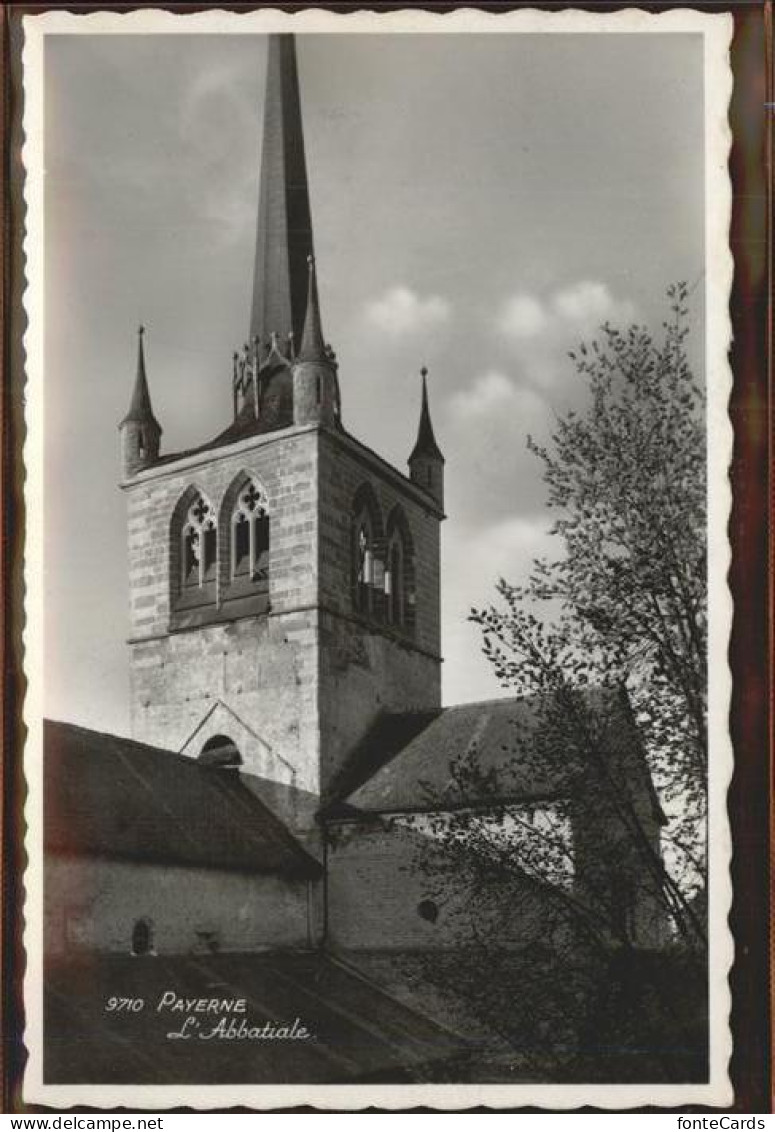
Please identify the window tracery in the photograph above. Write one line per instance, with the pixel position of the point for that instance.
(250, 537)
(200, 545)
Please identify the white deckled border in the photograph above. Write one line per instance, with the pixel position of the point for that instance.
(716, 30)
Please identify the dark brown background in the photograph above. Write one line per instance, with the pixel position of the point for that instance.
(750, 797)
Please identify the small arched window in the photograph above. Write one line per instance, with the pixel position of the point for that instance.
(428, 910)
(220, 751)
(142, 937)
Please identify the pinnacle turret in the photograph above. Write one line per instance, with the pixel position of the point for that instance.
(140, 431)
(425, 445)
(140, 409)
(315, 383)
(426, 463)
(313, 347)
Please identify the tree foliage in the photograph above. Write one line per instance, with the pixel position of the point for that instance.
(627, 481)
(615, 622)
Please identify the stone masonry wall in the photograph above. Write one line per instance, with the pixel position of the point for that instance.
(379, 882)
(93, 903)
(367, 667)
(309, 677)
(263, 668)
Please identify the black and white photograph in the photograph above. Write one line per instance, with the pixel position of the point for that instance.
(377, 617)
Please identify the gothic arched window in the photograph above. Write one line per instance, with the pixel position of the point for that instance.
(245, 529)
(399, 572)
(250, 538)
(364, 563)
(368, 555)
(193, 559)
(200, 545)
(394, 580)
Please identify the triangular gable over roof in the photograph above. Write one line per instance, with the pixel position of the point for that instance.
(111, 796)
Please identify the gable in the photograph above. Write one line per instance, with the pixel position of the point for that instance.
(258, 757)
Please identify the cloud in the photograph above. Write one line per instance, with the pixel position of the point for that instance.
(402, 311)
(540, 330)
(523, 316)
(590, 304)
(493, 395)
(582, 306)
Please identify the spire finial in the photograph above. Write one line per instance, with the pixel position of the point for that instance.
(141, 378)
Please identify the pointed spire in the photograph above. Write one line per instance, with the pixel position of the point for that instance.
(313, 346)
(425, 444)
(140, 410)
(284, 238)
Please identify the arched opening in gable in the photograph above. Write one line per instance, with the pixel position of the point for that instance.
(220, 751)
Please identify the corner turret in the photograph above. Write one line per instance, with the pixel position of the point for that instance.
(426, 463)
(315, 384)
(140, 431)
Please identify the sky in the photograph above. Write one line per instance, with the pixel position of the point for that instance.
(480, 204)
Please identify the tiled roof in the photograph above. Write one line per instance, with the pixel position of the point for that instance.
(405, 762)
(360, 1032)
(390, 734)
(245, 424)
(112, 796)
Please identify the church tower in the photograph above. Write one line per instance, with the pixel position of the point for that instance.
(284, 578)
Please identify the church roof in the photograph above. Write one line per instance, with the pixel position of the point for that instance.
(405, 763)
(111, 796)
(363, 1033)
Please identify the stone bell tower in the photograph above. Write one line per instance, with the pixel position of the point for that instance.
(284, 578)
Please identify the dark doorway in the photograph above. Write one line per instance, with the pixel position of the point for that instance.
(141, 937)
